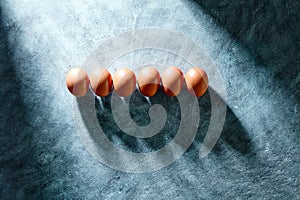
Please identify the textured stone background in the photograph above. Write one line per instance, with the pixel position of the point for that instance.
(256, 46)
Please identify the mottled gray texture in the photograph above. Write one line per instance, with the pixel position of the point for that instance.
(256, 48)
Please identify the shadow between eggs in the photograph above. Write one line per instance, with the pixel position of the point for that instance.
(139, 111)
(234, 136)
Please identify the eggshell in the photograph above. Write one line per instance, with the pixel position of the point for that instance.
(172, 81)
(148, 81)
(196, 81)
(124, 82)
(77, 82)
(101, 81)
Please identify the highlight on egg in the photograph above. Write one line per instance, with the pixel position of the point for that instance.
(124, 82)
(196, 81)
(148, 81)
(101, 81)
(172, 81)
(77, 82)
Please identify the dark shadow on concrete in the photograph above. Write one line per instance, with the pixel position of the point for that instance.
(234, 136)
(18, 164)
(139, 111)
(29, 165)
(269, 30)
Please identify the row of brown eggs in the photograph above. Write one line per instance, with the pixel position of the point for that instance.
(149, 81)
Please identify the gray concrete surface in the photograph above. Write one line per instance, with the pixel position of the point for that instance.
(254, 44)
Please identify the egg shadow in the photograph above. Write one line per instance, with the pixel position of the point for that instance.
(139, 112)
(234, 136)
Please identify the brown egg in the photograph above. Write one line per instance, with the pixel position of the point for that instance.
(196, 81)
(124, 82)
(148, 81)
(101, 81)
(172, 81)
(77, 82)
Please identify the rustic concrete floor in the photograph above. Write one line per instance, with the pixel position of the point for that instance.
(255, 46)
